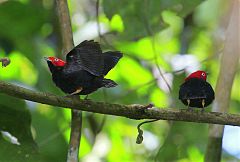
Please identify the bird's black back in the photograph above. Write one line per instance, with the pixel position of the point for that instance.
(88, 56)
(196, 89)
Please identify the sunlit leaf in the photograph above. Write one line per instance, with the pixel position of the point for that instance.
(201, 46)
(141, 18)
(133, 72)
(159, 98)
(20, 69)
(117, 23)
(85, 147)
(194, 154)
(119, 146)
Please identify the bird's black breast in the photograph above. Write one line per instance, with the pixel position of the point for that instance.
(196, 90)
(69, 82)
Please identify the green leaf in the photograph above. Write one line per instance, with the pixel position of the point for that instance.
(16, 120)
(143, 18)
(20, 69)
(19, 20)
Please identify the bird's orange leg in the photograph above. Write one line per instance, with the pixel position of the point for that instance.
(188, 106)
(77, 91)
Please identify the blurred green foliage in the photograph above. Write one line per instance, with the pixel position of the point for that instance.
(141, 18)
(147, 32)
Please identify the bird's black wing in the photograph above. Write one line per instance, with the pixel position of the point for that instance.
(208, 90)
(111, 58)
(86, 56)
(184, 92)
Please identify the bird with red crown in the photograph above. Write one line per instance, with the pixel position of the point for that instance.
(196, 91)
(84, 70)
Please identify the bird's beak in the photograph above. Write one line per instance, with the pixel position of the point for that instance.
(46, 58)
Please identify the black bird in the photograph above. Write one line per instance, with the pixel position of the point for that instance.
(84, 69)
(196, 91)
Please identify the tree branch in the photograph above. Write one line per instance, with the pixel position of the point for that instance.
(65, 26)
(134, 111)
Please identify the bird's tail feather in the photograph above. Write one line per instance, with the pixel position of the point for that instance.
(108, 83)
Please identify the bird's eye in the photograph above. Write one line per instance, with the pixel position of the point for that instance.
(56, 59)
(203, 74)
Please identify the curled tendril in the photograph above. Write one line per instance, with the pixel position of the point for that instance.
(140, 131)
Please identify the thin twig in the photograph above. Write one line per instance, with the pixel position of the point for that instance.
(157, 65)
(151, 34)
(97, 17)
(101, 37)
(104, 119)
(133, 89)
(52, 136)
(5, 61)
